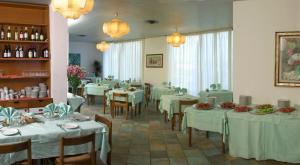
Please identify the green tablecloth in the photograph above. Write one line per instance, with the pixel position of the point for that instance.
(221, 95)
(213, 120)
(45, 139)
(274, 136)
(170, 103)
(134, 97)
(95, 89)
(75, 101)
(158, 91)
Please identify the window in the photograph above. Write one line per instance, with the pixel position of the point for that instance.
(124, 60)
(203, 60)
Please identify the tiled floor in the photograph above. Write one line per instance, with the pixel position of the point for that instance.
(147, 139)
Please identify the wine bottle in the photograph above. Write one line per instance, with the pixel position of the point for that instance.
(16, 34)
(9, 51)
(2, 37)
(30, 54)
(8, 34)
(32, 34)
(17, 52)
(26, 34)
(34, 53)
(42, 38)
(45, 53)
(5, 52)
(21, 52)
(21, 34)
(37, 35)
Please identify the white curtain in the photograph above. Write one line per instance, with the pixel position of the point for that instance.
(124, 60)
(203, 60)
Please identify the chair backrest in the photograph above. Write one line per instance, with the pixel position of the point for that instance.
(147, 88)
(120, 95)
(136, 85)
(186, 103)
(72, 141)
(16, 147)
(108, 123)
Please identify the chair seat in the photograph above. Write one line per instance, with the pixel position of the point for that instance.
(77, 159)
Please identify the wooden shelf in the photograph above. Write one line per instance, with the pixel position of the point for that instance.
(23, 41)
(24, 59)
(24, 77)
(25, 99)
(21, 24)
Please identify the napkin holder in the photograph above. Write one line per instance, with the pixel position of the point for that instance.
(212, 100)
(245, 100)
(283, 103)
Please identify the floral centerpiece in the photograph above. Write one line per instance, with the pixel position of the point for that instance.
(75, 75)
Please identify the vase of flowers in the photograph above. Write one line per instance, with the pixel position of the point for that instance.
(75, 75)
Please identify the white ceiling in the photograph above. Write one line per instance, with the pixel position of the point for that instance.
(188, 15)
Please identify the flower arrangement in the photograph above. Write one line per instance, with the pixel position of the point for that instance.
(75, 74)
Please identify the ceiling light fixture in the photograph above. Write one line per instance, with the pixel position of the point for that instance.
(72, 9)
(176, 39)
(116, 28)
(103, 46)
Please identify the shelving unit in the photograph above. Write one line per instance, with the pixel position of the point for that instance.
(19, 16)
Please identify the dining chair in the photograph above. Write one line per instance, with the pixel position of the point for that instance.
(139, 86)
(120, 102)
(147, 93)
(88, 158)
(104, 99)
(180, 113)
(16, 147)
(108, 123)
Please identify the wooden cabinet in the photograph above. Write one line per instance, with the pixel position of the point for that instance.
(17, 73)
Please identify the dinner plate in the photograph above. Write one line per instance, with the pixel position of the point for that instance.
(9, 131)
(70, 125)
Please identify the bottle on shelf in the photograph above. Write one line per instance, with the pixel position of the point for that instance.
(37, 35)
(32, 34)
(8, 52)
(26, 33)
(42, 38)
(17, 52)
(30, 53)
(5, 52)
(2, 35)
(21, 52)
(21, 36)
(8, 34)
(16, 34)
(34, 52)
(45, 53)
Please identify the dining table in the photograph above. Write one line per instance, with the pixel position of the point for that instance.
(158, 91)
(75, 101)
(221, 95)
(212, 120)
(45, 138)
(270, 136)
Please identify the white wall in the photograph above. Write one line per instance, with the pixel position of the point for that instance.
(88, 52)
(59, 36)
(155, 45)
(255, 23)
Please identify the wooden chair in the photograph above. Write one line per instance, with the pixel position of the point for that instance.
(108, 123)
(116, 104)
(104, 99)
(10, 148)
(180, 113)
(139, 86)
(147, 93)
(88, 158)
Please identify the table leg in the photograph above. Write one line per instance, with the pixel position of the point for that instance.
(140, 104)
(207, 134)
(88, 99)
(112, 110)
(157, 105)
(165, 115)
(104, 104)
(190, 136)
(223, 145)
(173, 121)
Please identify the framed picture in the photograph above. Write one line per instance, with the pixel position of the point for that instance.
(154, 60)
(287, 59)
(74, 59)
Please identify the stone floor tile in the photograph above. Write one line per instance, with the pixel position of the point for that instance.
(160, 161)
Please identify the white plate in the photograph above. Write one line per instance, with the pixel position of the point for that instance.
(9, 131)
(70, 125)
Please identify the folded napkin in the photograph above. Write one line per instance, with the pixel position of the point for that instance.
(9, 114)
(177, 89)
(50, 109)
(1, 108)
(64, 109)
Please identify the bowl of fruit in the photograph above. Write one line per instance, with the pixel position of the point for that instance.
(203, 106)
(242, 108)
(228, 105)
(264, 109)
(287, 109)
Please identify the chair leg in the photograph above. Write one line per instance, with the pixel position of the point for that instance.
(190, 136)
(180, 121)
(222, 145)
(127, 111)
(173, 122)
(104, 104)
(140, 104)
(207, 135)
(165, 115)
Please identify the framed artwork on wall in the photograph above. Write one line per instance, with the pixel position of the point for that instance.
(154, 60)
(74, 59)
(287, 59)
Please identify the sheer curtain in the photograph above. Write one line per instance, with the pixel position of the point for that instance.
(124, 60)
(203, 60)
